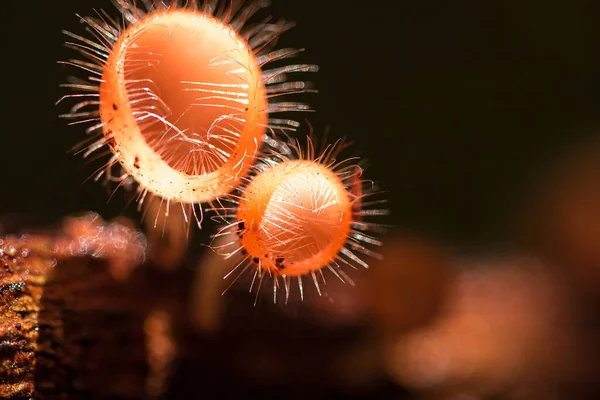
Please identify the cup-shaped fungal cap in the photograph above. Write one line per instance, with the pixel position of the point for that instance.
(183, 105)
(296, 217)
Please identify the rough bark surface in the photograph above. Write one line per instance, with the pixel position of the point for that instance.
(74, 325)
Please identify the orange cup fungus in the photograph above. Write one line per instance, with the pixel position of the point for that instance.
(299, 216)
(180, 95)
(183, 97)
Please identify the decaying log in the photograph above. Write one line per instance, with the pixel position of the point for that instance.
(84, 315)
(73, 324)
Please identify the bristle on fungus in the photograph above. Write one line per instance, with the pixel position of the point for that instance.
(298, 216)
(182, 95)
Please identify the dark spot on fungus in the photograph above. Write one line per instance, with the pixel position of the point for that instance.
(255, 260)
(279, 262)
(110, 140)
(136, 162)
(115, 107)
(18, 326)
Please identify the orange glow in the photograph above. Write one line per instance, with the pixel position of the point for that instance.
(182, 96)
(183, 105)
(297, 217)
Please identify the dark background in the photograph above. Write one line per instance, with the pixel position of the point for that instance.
(458, 105)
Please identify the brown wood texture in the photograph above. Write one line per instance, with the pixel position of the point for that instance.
(76, 321)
